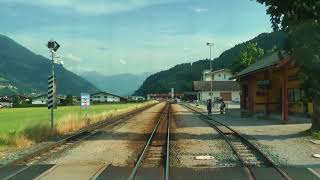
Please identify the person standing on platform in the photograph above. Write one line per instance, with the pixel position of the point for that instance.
(222, 107)
(209, 106)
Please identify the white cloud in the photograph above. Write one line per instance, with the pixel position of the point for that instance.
(94, 7)
(200, 9)
(150, 54)
(73, 58)
(123, 61)
(103, 48)
(78, 69)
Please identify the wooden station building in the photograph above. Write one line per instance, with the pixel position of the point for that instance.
(272, 85)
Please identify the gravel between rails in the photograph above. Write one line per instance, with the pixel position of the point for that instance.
(111, 146)
(192, 137)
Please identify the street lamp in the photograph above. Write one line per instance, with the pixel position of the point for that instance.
(210, 47)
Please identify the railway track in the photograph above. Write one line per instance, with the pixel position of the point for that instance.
(156, 151)
(247, 153)
(21, 166)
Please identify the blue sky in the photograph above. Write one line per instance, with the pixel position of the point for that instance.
(131, 36)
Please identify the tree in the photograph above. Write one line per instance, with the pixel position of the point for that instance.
(248, 55)
(16, 100)
(69, 100)
(300, 19)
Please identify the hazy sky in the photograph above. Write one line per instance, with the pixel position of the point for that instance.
(118, 36)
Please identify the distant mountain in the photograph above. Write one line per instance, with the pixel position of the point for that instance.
(181, 76)
(22, 71)
(121, 84)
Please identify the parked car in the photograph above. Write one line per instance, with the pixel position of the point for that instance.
(237, 100)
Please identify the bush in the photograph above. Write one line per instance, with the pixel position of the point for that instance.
(316, 135)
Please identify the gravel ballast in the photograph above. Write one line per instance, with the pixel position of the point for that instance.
(192, 137)
(110, 147)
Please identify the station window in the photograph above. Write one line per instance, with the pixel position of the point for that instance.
(295, 95)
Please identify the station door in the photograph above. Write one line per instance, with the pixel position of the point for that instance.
(226, 96)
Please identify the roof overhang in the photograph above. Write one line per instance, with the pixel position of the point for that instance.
(252, 72)
(270, 61)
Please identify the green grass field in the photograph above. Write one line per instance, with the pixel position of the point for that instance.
(17, 119)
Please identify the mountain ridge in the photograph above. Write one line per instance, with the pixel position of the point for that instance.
(123, 84)
(180, 77)
(28, 72)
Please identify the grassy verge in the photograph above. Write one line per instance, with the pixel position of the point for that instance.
(316, 136)
(24, 127)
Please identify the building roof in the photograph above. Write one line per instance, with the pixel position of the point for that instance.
(40, 96)
(45, 96)
(219, 70)
(20, 96)
(216, 86)
(268, 61)
(106, 93)
(5, 100)
(216, 71)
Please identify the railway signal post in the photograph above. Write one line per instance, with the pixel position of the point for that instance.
(53, 47)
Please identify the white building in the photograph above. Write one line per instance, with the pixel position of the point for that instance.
(42, 99)
(5, 103)
(222, 87)
(138, 98)
(218, 75)
(105, 97)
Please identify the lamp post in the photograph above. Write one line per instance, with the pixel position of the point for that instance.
(210, 47)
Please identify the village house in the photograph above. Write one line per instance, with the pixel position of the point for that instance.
(5, 102)
(222, 86)
(271, 85)
(103, 97)
(162, 96)
(42, 99)
(218, 75)
(137, 98)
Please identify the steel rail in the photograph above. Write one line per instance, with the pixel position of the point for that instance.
(267, 160)
(166, 170)
(147, 145)
(82, 132)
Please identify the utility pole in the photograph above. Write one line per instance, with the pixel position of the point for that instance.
(210, 47)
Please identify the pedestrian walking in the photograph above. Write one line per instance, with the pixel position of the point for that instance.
(209, 106)
(222, 106)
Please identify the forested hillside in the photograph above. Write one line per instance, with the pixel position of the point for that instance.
(23, 72)
(181, 76)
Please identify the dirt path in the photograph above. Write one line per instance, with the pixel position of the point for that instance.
(112, 146)
(192, 137)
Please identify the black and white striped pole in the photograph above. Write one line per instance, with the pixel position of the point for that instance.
(53, 47)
